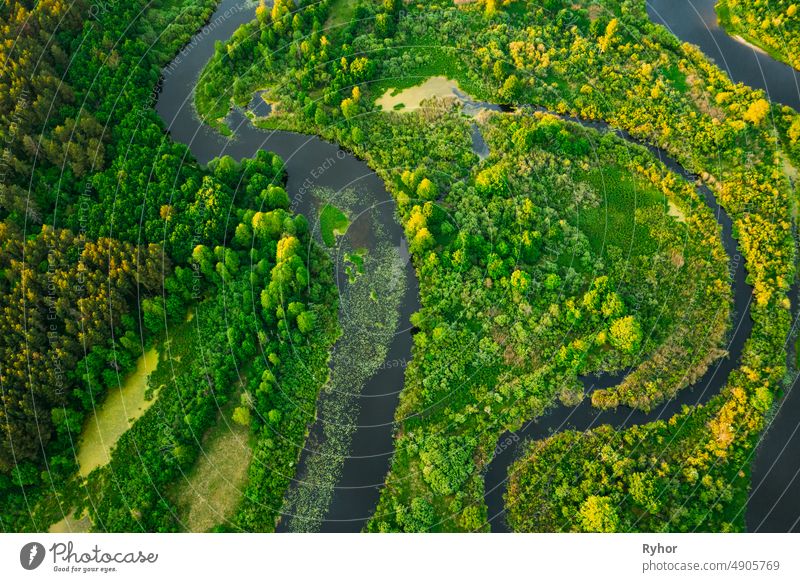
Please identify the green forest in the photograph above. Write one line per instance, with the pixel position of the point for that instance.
(570, 249)
(143, 236)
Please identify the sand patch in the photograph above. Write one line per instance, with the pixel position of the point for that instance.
(71, 524)
(675, 211)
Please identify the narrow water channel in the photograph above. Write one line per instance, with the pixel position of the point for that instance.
(584, 416)
(774, 503)
(365, 469)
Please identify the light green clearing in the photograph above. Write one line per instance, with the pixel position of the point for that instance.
(71, 525)
(341, 13)
(332, 222)
(411, 98)
(212, 489)
(675, 211)
(117, 413)
(613, 221)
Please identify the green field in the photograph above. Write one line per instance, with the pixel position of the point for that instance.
(613, 221)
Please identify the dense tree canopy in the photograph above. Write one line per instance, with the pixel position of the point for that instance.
(771, 24)
(140, 236)
(553, 257)
(60, 298)
(510, 251)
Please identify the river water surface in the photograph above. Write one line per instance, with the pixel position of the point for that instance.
(310, 163)
(776, 497)
(695, 22)
(774, 504)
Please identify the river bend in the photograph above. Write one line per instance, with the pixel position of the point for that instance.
(775, 500)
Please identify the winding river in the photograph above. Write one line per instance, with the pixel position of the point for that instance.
(695, 22)
(310, 163)
(584, 416)
(774, 503)
(365, 469)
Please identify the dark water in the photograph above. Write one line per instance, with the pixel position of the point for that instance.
(365, 468)
(775, 502)
(584, 417)
(310, 162)
(695, 21)
(258, 106)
